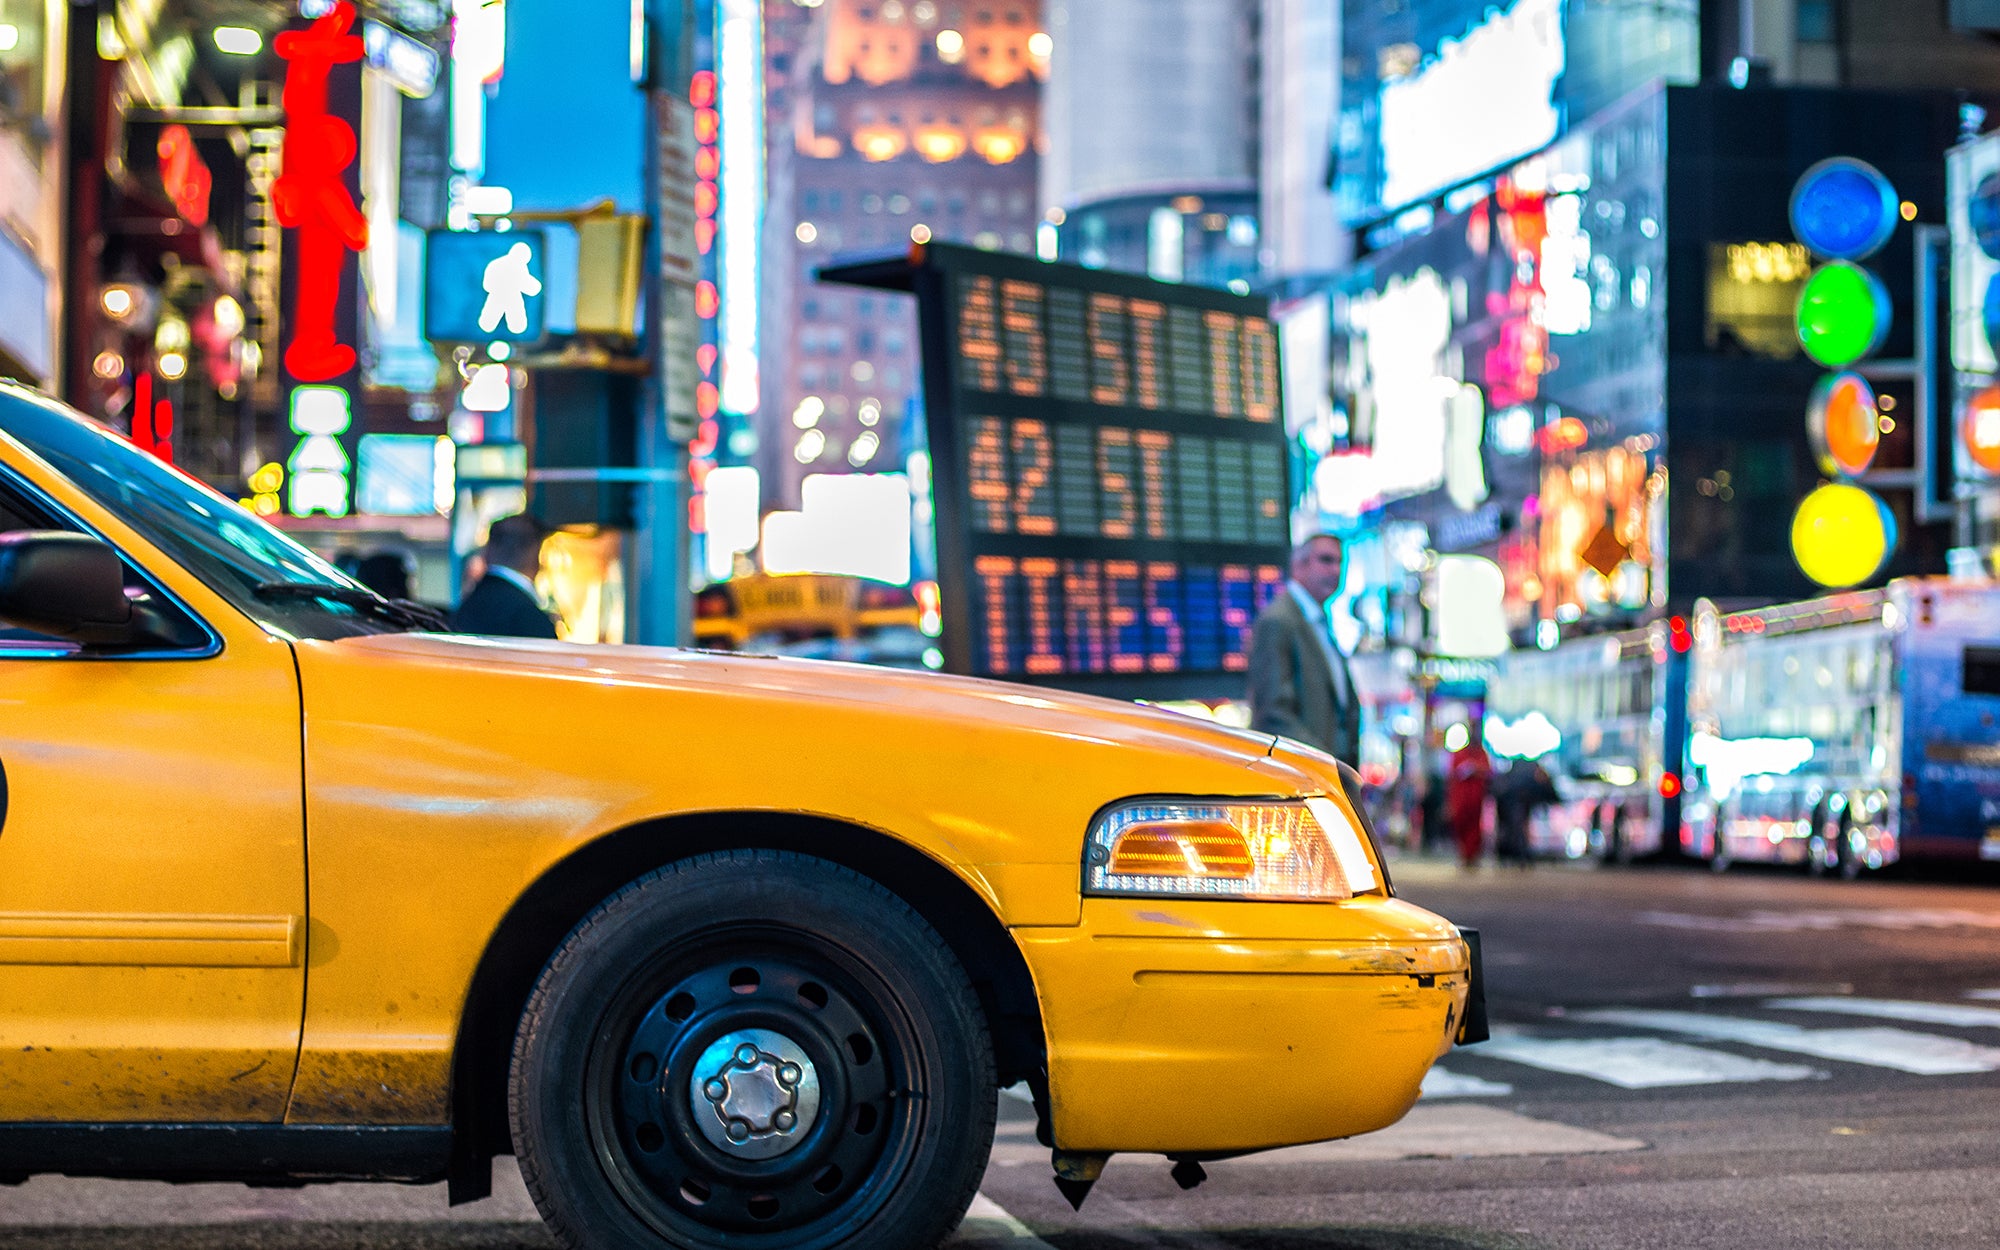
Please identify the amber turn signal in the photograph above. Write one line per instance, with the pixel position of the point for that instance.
(1201, 848)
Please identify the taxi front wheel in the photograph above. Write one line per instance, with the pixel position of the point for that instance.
(753, 1050)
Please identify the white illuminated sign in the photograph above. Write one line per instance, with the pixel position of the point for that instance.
(1465, 431)
(731, 498)
(478, 57)
(319, 475)
(853, 523)
(489, 389)
(1482, 101)
(740, 101)
(1727, 761)
(1528, 738)
(1565, 266)
(1402, 332)
(1972, 270)
(1467, 613)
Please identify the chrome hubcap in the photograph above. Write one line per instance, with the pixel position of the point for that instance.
(754, 1093)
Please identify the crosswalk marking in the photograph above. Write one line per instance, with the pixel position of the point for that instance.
(1956, 1015)
(1923, 1053)
(1992, 995)
(1444, 1083)
(1638, 1062)
(988, 1222)
(1442, 1131)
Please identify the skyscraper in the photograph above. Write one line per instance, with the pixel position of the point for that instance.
(890, 122)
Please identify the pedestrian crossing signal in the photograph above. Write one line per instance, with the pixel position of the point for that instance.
(485, 286)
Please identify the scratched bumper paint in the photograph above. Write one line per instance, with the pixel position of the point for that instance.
(1297, 1023)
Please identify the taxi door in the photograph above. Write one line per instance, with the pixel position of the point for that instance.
(152, 872)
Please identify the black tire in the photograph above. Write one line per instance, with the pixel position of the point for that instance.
(832, 983)
(1845, 862)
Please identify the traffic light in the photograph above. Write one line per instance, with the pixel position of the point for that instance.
(1844, 211)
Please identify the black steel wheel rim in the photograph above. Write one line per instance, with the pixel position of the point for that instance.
(643, 1118)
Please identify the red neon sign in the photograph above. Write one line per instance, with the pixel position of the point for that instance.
(152, 423)
(311, 196)
(184, 174)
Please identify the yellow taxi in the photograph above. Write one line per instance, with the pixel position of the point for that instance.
(728, 951)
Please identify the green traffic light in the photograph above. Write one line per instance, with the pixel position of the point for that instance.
(1843, 314)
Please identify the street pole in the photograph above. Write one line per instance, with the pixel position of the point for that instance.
(658, 601)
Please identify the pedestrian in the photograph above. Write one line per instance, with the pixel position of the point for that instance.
(505, 602)
(386, 572)
(1465, 799)
(1518, 794)
(1431, 810)
(1300, 686)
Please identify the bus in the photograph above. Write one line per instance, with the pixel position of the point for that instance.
(1848, 732)
(822, 616)
(1605, 715)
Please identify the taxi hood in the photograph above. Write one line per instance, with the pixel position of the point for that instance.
(830, 686)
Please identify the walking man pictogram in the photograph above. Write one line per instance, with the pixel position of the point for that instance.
(508, 284)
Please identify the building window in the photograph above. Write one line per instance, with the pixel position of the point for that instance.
(1753, 296)
(1815, 21)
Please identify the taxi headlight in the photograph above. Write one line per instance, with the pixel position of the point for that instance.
(1299, 850)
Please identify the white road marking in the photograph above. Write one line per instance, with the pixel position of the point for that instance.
(1443, 1083)
(1955, 1015)
(1766, 989)
(1639, 1062)
(1824, 920)
(1990, 996)
(988, 1222)
(1925, 1054)
(1447, 1131)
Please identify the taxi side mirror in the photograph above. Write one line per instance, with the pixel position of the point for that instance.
(68, 585)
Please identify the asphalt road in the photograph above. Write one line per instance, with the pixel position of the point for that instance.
(1680, 1060)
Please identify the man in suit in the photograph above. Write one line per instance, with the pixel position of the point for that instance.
(505, 602)
(1299, 683)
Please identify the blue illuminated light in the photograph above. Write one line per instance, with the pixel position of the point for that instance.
(1990, 311)
(1983, 211)
(1844, 209)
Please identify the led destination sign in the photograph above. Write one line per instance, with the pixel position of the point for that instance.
(1109, 460)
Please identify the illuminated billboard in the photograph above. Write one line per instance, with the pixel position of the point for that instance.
(1111, 474)
(1439, 94)
(1503, 73)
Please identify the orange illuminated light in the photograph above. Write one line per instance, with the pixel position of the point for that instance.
(1204, 848)
(1845, 424)
(1980, 429)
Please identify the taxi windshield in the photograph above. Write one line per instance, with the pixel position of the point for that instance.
(271, 578)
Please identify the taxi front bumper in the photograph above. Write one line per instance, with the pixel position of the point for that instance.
(1203, 1028)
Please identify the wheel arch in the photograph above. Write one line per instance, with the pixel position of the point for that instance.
(543, 915)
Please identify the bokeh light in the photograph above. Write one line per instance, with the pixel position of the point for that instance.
(1845, 423)
(1979, 429)
(1844, 209)
(1841, 535)
(1843, 314)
